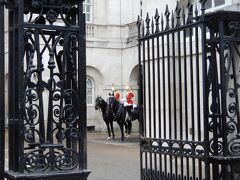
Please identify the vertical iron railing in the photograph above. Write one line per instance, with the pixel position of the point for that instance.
(82, 88)
(172, 142)
(14, 141)
(205, 88)
(2, 90)
(190, 84)
(47, 91)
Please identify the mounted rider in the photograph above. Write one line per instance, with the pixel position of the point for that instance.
(115, 93)
(129, 100)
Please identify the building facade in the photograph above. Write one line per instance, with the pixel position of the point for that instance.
(112, 54)
(111, 51)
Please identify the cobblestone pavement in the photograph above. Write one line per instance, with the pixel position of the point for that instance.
(113, 160)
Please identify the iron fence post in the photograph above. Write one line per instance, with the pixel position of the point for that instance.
(205, 88)
(2, 104)
(13, 100)
(20, 79)
(82, 87)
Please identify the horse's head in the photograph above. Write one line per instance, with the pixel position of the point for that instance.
(98, 102)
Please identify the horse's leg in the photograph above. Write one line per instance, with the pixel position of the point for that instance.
(122, 131)
(126, 131)
(126, 127)
(109, 133)
(129, 127)
(125, 123)
(111, 125)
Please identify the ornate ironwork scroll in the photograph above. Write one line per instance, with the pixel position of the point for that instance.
(223, 85)
(55, 79)
(48, 91)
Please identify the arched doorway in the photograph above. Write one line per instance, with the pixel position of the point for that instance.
(133, 81)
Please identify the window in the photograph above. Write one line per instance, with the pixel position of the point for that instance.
(215, 3)
(89, 91)
(87, 9)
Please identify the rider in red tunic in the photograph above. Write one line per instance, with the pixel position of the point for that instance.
(129, 97)
(129, 100)
(116, 93)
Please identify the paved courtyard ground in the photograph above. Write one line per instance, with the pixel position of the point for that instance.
(113, 160)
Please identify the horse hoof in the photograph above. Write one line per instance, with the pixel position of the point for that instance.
(108, 138)
(128, 136)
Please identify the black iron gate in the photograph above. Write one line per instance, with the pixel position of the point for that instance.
(46, 91)
(190, 94)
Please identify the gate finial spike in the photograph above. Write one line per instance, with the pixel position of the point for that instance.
(183, 16)
(172, 19)
(196, 11)
(162, 22)
(152, 26)
(143, 29)
(147, 25)
(178, 8)
(147, 17)
(178, 11)
(156, 17)
(139, 22)
(167, 13)
(156, 14)
(138, 19)
(203, 3)
(190, 12)
(189, 3)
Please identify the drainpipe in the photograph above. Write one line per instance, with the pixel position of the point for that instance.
(121, 41)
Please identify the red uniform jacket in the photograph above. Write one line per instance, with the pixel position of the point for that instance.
(117, 95)
(129, 97)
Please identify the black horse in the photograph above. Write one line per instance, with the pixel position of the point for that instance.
(122, 117)
(131, 117)
(119, 114)
(107, 115)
